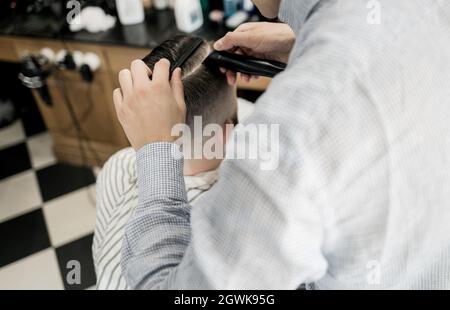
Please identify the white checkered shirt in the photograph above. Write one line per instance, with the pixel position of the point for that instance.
(361, 198)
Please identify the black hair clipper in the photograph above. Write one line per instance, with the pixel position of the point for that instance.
(245, 64)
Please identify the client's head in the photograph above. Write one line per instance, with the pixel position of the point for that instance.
(207, 93)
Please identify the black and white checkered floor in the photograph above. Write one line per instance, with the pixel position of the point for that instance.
(47, 214)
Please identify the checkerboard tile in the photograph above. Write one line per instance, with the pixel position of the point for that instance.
(14, 159)
(39, 271)
(80, 251)
(47, 213)
(60, 179)
(19, 194)
(40, 150)
(23, 236)
(12, 135)
(70, 216)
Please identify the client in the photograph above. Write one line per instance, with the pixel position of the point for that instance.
(208, 95)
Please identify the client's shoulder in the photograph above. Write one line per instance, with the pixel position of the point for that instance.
(119, 172)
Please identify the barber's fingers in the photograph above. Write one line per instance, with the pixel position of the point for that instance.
(118, 99)
(117, 96)
(232, 40)
(161, 72)
(246, 78)
(140, 73)
(246, 27)
(231, 77)
(177, 89)
(126, 82)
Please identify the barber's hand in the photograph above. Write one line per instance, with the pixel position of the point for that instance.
(272, 41)
(148, 109)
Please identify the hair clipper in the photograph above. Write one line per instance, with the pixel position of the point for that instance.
(245, 64)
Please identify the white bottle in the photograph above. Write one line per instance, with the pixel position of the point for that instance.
(188, 15)
(130, 12)
(160, 4)
(248, 5)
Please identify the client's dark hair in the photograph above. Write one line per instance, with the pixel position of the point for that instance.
(203, 87)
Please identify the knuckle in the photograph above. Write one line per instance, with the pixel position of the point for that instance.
(157, 86)
(141, 90)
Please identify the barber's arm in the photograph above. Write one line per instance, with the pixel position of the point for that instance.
(253, 229)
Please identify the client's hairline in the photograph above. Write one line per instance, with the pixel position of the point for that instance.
(207, 50)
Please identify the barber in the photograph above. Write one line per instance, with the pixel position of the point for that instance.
(360, 198)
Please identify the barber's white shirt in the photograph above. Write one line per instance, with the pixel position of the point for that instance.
(361, 198)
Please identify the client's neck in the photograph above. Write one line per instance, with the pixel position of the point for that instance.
(197, 166)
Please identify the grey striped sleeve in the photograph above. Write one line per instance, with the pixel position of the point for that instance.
(116, 198)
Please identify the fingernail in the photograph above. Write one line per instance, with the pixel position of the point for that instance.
(218, 45)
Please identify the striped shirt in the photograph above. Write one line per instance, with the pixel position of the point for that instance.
(361, 198)
(117, 197)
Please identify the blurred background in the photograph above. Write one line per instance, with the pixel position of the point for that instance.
(59, 62)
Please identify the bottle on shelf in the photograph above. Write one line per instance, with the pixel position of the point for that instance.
(130, 12)
(188, 15)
